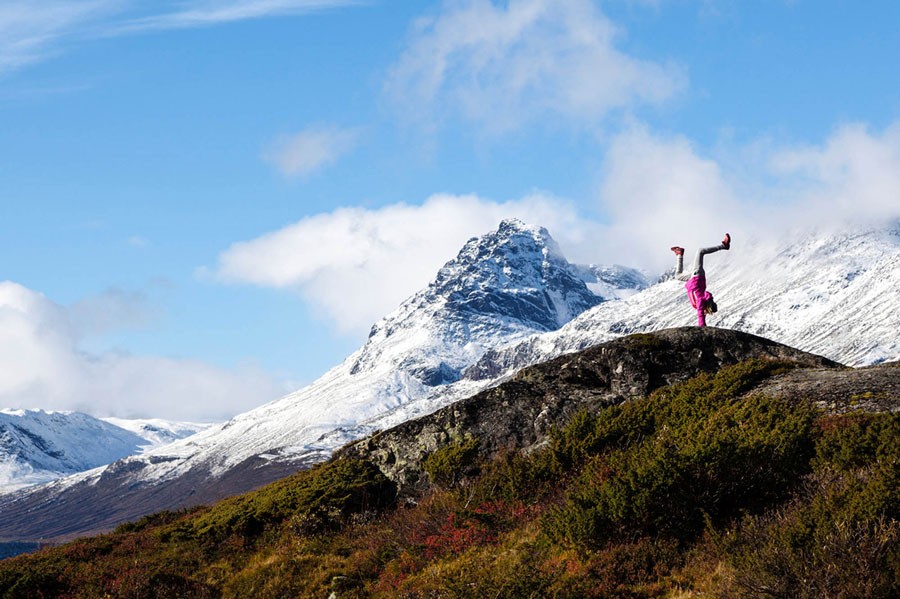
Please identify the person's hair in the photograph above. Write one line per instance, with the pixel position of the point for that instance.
(711, 307)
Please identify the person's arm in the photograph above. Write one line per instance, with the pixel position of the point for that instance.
(701, 316)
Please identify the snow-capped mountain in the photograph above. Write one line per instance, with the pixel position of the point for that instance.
(612, 282)
(501, 288)
(836, 295)
(157, 432)
(489, 312)
(38, 446)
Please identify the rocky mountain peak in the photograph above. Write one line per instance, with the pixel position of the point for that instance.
(516, 272)
(514, 254)
(505, 285)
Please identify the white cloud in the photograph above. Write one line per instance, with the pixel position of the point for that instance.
(660, 191)
(854, 176)
(311, 150)
(503, 65)
(200, 13)
(42, 364)
(33, 30)
(355, 265)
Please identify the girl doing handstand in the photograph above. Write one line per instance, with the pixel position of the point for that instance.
(701, 299)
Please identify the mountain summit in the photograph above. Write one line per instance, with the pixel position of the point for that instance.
(517, 272)
(501, 288)
(489, 312)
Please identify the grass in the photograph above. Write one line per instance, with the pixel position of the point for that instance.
(696, 490)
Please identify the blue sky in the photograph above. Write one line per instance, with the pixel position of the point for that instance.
(207, 203)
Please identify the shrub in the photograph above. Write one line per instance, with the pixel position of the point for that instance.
(160, 584)
(450, 464)
(317, 499)
(853, 440)
(511, 476)
(623, 425)
(665, 464)
(31, 579)
(840, 535)
(816, 548)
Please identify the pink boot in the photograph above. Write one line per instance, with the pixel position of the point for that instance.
(679, 251)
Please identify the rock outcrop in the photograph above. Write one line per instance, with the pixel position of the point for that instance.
(520, 413)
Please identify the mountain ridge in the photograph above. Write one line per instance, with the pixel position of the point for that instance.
(37, 446)
(682, 461)
(757, 293)
(502, 286)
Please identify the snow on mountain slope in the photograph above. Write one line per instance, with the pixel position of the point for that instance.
(612, 282)
(833, 295)
(502, 287)
(157, 432)
(38, 446)
(494, 309)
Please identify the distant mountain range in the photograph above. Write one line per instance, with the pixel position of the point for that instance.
(38, 446)
(509, 299)
(688, 461)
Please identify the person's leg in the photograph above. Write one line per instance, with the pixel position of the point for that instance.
(698, 259)
(697, 266)
(679, 264)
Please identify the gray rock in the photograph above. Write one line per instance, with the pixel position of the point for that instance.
(519, 414)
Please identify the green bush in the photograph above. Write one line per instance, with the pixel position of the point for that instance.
(688, 454)
(839, 536)
(821, 545)
(317, 499)
(511, 476)
(27, 578)
(623, 425)
(450, 464)
(853, 440)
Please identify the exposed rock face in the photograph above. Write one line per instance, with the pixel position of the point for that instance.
(501, 287)
(519, 272)
(520, 413)
(837, 391)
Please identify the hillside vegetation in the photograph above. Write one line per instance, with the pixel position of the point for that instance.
(699, 489)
